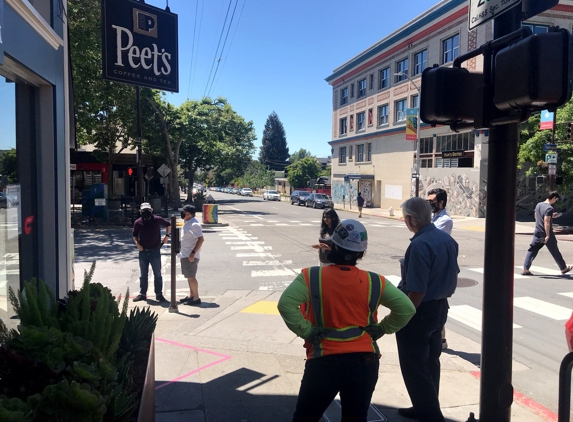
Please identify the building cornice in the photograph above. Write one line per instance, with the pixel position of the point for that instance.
(36, 21)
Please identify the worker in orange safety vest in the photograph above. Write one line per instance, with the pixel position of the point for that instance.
(334, 308)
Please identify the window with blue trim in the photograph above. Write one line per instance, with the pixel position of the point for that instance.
(420, 62)
(450, 48)
(384, 78)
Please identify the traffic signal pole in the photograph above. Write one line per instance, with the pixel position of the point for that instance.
(141, 184)
(496, 390)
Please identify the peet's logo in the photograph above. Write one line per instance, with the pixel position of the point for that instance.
(144, 23)
(146, 57)
(140, 45)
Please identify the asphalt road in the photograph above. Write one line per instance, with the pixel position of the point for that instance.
(267, 243)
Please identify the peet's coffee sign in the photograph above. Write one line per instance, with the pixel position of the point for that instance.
(139, 45)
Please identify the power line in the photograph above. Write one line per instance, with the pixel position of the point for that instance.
(217, 49)
(195, 53)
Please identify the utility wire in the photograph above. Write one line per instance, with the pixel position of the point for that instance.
(223, 48)
(191, 68)
(217, 49)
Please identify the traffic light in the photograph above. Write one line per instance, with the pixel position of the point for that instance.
(130, 171)
(450, 95)
(570, 131)
(535, 72)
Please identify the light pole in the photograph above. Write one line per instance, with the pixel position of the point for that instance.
(417, 165)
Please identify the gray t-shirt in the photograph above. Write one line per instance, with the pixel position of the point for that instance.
(542, 210)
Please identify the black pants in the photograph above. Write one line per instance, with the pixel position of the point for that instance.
(419, 350)
(354, 375)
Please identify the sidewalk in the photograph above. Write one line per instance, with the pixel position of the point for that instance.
(233, 359)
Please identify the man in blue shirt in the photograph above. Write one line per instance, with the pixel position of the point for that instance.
(429, 277)
(438, 198)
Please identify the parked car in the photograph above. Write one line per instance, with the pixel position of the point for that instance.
(246, 192)
(5, 200)
(271, 195)
(299, 197)
(235, 191)
(319, 200)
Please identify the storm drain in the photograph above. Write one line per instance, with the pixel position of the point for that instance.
(466, 282)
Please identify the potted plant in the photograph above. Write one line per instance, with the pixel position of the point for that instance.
(82, 358)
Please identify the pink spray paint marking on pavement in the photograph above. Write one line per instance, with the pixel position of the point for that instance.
(186, 346)
(528, 403)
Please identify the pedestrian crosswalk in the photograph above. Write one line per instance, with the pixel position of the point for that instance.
(261, 222)
(275, 274)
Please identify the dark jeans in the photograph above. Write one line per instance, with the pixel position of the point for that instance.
(419, 350)
(146, 258)
(354, 375)
(535, 247)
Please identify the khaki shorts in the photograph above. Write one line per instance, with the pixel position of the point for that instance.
(189, 269)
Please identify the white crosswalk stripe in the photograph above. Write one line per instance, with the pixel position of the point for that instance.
(469, 316)
(540, 307)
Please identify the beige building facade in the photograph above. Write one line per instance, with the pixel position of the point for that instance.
(373, 90)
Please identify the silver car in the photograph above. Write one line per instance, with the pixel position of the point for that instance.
(318, 200)
(271, 195)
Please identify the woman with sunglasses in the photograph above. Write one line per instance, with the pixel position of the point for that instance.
(329, 222)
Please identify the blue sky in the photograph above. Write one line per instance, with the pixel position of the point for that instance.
(278, 54)
(276, 58)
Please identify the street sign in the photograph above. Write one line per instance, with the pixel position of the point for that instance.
(551, 158)
(546, 120)
(549, 147)
(552, 169)
(163, 170)
(482, 11)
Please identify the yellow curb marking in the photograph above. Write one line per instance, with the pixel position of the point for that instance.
(476, 228)
(266, 307)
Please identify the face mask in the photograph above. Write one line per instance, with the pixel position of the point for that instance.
(435, 208)
(183, 216)
(146, 214)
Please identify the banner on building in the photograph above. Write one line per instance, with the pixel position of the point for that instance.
(546, 120)
(411, 124)
(140, 45)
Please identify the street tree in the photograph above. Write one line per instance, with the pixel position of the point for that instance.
(274, 150)
(257, 176)
(303, 171)
(9, 165)
(299, 155)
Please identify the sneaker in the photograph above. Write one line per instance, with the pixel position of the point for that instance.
(160, 298)
(140, 298)
(444, 344)
(196, 302)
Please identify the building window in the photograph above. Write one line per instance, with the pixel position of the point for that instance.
(351, 90)
(343, 96)
(368, 152)
(351, 122)
(350, 148)
(414, 101)
(427, 145)
(360, 121)
(402, 70)
(370, 117)
(450, 48)
(371, 81)
(360, 153)
(384, 81)
(383, 115)
(362, 88)
(536, 29)
(426, 162)
(456, 142)
(420, 62)
(343, 126)
(342, 155)
(400, 107)
(446, 162)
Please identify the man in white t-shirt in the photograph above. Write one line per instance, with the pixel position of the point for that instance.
(191, 242)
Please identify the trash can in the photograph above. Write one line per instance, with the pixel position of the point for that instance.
(210, 213)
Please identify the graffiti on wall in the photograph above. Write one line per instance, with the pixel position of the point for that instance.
(465, 198)
(345, 192)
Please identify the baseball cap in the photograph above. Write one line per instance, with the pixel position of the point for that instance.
(145, 206)
(189, 208)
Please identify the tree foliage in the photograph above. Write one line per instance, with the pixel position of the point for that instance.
(303, 171)
(274, 150)
(531, 153)
(257, 176)
(9, 165)
(299, 155)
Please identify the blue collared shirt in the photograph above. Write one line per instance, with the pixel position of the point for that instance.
(443, 221)
(431, 264)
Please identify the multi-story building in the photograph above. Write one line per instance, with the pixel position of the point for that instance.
(371, 93)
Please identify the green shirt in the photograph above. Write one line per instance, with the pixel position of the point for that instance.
(401, 308)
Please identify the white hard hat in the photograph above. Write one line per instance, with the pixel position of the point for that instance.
(351, 235)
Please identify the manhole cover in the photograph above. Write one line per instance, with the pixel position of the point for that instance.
(466, 282)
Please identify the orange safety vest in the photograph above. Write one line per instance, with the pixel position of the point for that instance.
(342, 302)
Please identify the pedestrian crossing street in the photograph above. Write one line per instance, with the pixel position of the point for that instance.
(275, 274)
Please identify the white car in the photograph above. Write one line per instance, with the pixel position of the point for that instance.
(246, 192)
(271, 195)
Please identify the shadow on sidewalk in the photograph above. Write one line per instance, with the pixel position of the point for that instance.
(233, 397)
